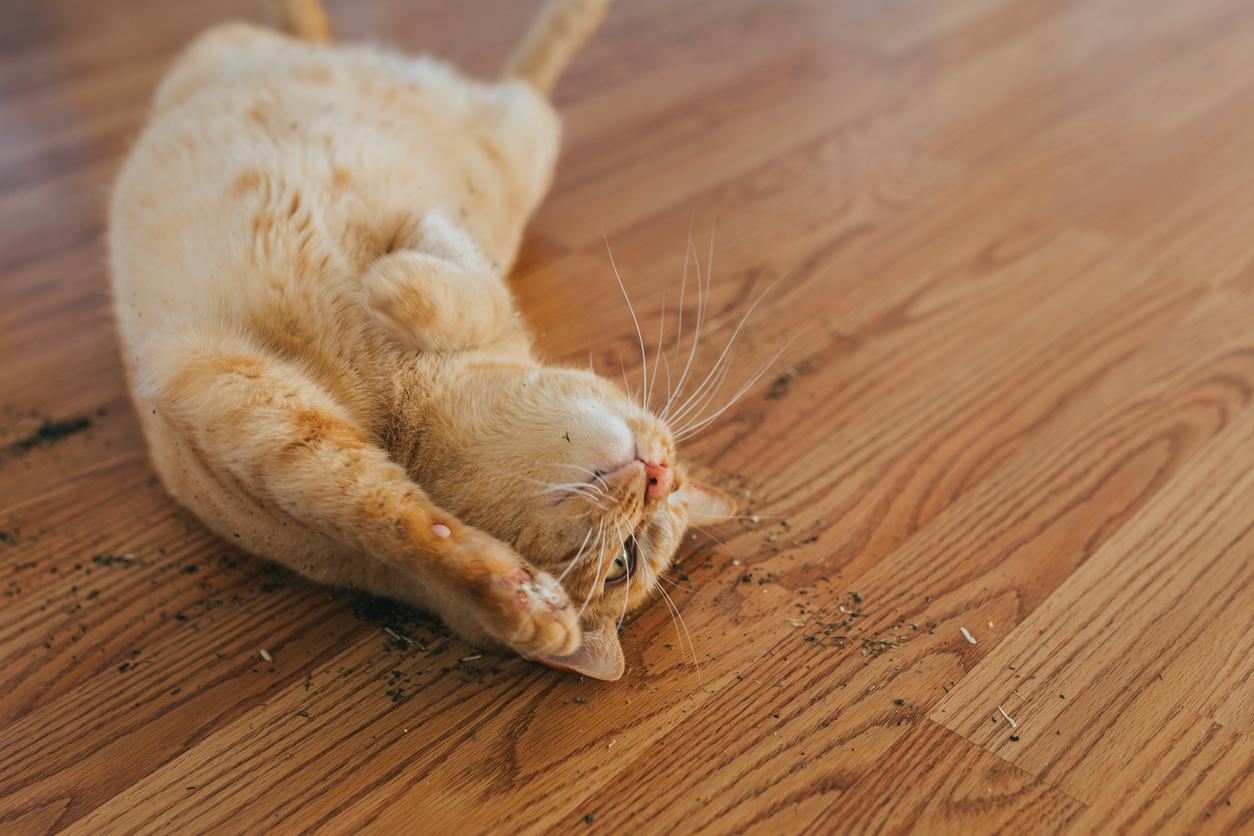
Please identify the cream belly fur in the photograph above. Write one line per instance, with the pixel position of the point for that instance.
(308, 246)
(208, 196)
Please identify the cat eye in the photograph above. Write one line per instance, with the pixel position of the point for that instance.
(621, 567)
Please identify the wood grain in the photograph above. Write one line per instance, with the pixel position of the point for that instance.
(1005, 248)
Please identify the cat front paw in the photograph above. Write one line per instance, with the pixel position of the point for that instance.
(533, 613)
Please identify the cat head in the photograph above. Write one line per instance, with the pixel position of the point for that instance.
(582, 480)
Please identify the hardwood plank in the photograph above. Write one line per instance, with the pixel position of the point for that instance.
(1131, 614)
(933, 781)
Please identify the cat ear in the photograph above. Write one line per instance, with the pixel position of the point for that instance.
(707, 503)
(600, 656)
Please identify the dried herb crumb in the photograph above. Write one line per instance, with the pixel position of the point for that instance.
(779, 387)
(589, 818)
(1014, 738)
(302, 713)
(112, 559)
(899, 702)
(578, 700)
(124, 667)
(50, 432)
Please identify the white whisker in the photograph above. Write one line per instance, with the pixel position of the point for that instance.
(693, 410)
(730, 342)
(596, 579)
(644, 357)
(666, 364)
(626, 386)
(689, 588)
(598, 479)
(582, 489)
(554, 487)
(575, 559)
(705, 422)
(626, 594)
(657, 356)
(683, 286)
(703, 300)
(691, 646)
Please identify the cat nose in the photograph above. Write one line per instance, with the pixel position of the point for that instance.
(661, 480)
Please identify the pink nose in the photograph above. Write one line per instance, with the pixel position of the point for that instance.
(661, 479)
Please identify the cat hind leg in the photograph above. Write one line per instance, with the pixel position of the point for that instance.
(557, 34)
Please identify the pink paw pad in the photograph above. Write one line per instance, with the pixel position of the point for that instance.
(441, 530)
(533, 593)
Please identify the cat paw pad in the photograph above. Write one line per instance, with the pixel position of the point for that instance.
(539, 617)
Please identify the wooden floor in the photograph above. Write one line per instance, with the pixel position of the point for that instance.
(997, 566)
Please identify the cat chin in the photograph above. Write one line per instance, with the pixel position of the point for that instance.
(600, 655)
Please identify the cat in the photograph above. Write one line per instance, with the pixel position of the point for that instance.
(308, 246)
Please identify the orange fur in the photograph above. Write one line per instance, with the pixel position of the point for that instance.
(331, 372)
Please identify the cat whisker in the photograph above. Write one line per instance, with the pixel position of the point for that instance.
(575, 559)
(716, 386)
(597, 476)
(684, 408)
(690, 431)
(677, 615)
(685, 587)
(596, 577)
(585, 490)
(691, 590)
(589, 498)
(683, 286)
(626, 594)
(722, 541)
(579, 486)
(666, 363)
(644, 357)
(551, 487)
(591, 490)
(679, 328)
(657, 356)
(703, 300)
(631, 393)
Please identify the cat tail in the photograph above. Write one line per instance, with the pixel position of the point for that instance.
(557, 34)
(304, 19)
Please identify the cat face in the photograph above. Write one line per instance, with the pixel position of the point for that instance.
(584, 483)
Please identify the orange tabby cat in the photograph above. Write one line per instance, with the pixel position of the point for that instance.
(308, 246)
